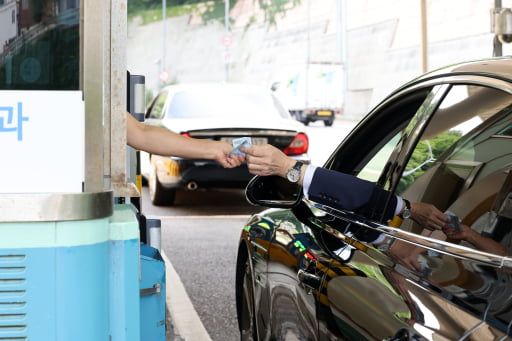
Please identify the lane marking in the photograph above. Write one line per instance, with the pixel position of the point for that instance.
(184, 317)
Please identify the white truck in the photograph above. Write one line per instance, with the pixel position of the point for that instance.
(312, 92)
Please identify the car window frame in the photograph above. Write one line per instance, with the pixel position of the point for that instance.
(423, 101)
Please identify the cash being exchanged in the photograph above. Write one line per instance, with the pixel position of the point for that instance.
(240, 142)
(455, 221)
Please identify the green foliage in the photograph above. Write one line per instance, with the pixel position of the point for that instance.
(273, 8)
(143, 5)
(149, 96)
(421, 155)
(151, 10)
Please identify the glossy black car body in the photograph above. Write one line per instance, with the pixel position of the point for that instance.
(216, 111)
(306, 271)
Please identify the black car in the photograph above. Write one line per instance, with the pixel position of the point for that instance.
(307, 271)
(216, 111)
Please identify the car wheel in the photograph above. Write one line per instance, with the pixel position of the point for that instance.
(306, 122)
(245, 298)
(159, 195)
(143, 181)
(328, 123)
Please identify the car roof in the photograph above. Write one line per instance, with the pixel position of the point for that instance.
(491, 67)
(497, 68)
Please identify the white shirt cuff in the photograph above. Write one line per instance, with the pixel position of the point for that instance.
(308, 176)
(399, 205)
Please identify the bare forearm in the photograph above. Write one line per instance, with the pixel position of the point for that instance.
(161, 141)
(485, 244)
(164, 142)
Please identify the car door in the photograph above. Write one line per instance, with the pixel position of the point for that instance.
(443, 144)
(288, 279)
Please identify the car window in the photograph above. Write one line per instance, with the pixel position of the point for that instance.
(156, 110)
(224, 104)
(464, 155)
(373, 169)
(370, 151)
(367, 150)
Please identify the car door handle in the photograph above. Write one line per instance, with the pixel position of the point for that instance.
(309, 280)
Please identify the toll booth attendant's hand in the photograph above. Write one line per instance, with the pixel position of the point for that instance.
(267, 160)
(428, 216)
(479, 241)
(463, 234)
(224, 158)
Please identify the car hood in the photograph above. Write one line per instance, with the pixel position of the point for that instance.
(183, 125)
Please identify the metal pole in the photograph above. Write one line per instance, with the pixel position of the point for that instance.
(93, 81)
(226, 50)
(308, 56)
(342, 40)
(163, 65)
(424, 37)
(497, 46)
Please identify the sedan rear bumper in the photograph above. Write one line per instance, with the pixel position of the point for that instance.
(195, 174)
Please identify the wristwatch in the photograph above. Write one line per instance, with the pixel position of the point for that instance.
(293, 174)
(406, 213)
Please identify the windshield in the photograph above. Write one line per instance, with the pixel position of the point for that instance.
(221, 103)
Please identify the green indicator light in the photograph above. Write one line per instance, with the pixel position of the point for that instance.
(264, 225)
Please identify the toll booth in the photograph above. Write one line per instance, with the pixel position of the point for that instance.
(73, 265)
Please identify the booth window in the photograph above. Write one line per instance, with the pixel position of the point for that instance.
(41, 49)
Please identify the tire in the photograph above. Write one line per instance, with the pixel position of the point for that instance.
(306, 122)
(144, 181)
(245, 306)
(328, 123)
(160, 196)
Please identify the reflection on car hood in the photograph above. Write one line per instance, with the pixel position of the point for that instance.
(182, 125)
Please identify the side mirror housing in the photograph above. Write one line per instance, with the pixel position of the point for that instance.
(273, 191)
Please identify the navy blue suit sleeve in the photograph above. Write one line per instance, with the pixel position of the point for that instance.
(350, 193)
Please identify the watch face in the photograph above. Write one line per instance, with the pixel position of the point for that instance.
(406, 214)
(293, 175)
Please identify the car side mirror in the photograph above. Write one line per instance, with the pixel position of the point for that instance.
(273, 191)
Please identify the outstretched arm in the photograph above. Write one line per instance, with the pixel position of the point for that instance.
(161, 141)
(480, 242)
(268, 160)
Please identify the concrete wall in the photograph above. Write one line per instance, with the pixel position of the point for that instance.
(382, 43)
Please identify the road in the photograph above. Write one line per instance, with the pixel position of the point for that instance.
(200, 236)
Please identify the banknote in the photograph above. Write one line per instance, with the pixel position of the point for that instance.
(240, 142)
(455, 221)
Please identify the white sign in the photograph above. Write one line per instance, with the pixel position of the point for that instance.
(41, 141)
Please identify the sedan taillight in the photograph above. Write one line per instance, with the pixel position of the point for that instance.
(299, 145)
(186, 134)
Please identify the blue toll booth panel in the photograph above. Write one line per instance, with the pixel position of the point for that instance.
(73, 280)
(152, 294)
